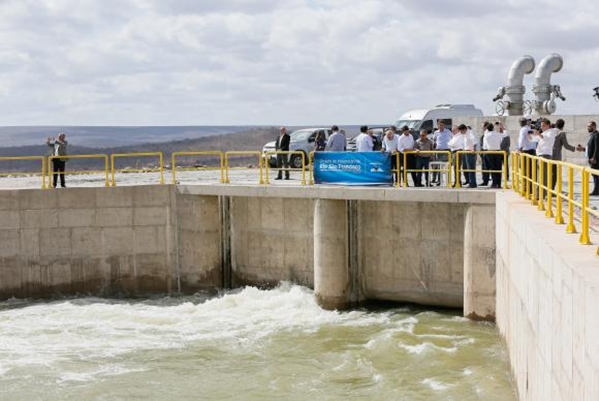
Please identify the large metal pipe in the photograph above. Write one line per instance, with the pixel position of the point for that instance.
(542, 87)
(515, 84)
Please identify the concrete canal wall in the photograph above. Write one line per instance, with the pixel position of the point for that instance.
(547, 297)
(380, 244)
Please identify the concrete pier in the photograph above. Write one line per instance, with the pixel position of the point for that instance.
(479, 263)
(331, 273)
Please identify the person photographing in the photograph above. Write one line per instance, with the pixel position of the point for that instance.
(59, 148)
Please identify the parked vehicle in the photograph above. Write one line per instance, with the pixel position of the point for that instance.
(301, 140)
(427, 119)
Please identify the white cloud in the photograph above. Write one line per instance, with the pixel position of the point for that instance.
(153, 62)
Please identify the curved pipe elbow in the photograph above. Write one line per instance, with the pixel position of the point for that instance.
(524, 65)
(549, 65)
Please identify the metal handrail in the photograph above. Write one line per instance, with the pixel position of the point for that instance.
(417, 152)
(94, 156)
(145, 154)
(198, 153)
(289, 153)
(25, 158)
(244, 153)
(538, 189)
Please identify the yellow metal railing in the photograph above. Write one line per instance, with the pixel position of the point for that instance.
(405, 154)
(73, 172)
(44, 167)
(287, 169)
(540, 181)
(147, 154)
(258, 154)
(198, 153)
(460, 170)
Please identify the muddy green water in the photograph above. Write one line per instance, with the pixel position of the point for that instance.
(245, 345)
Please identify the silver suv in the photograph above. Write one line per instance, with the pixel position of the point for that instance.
(301, 140)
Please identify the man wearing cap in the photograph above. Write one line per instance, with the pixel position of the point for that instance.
(336, 142)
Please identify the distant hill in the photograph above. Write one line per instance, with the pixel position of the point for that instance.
(112, 136)
(250, 139)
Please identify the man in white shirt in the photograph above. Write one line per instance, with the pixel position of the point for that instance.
(390, 145)
(492, 141)
(406, 142)
(465, 141)
(545, 140)
(364, 141)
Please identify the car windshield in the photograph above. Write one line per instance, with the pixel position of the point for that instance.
(301, 135)
(411, 124)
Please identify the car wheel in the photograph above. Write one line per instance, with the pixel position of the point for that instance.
(272, 162)
(296, 161)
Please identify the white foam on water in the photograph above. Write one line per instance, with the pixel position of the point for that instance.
(435, 385)
(48, 333)
(426, 347)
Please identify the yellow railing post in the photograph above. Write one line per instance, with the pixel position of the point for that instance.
(449, 168)
(571, 228)
(523, 175)
(534, 187)
(311, 166)
(549, 205)
(106, 180)
(174, 168)
(226, 168)
(260, 166)
(44, 169)
(505, 169)
(397, 170)
(540, 184)
(113, 183)
(303, 169)
(405, 169)
(584, 231)
(559, 213)
(458, 169)
(161, 168)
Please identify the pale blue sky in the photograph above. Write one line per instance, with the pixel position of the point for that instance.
(295, 62)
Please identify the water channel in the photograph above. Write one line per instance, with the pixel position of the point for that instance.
(247, 344)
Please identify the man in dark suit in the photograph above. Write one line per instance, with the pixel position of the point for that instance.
(282, 145)
(592, 150)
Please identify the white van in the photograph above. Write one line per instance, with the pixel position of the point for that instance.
(450, 114)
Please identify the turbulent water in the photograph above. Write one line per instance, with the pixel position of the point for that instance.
(247, 344)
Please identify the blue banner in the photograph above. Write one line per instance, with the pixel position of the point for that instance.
(353, 168)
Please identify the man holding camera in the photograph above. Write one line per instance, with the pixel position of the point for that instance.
(59, 148)
(545, 138)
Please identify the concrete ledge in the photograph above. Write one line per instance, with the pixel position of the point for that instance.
(437, 195)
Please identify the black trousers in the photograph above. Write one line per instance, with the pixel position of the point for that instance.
(410, 165)
(58, 166)
(495, 162)
(485, 166)
(283, 161)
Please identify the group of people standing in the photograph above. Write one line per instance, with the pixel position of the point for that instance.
(547, 140)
